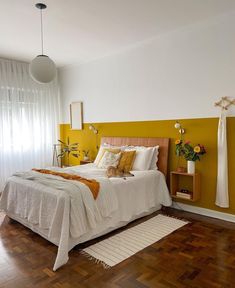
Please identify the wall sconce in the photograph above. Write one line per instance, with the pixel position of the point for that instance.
(92, 128)
(95, 131)
(178, 126)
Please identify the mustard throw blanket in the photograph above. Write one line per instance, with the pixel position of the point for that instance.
(92, 184)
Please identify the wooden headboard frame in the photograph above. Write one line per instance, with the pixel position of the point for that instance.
(148, 142)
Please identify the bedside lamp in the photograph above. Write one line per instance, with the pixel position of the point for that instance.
(181, 131)
(92, 128)
(178, 126)
(95, 131)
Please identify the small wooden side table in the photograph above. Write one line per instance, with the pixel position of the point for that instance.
(193, 182)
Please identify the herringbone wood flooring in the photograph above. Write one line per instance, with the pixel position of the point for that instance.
(201, 254)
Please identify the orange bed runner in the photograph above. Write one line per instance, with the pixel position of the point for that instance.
(93, 185)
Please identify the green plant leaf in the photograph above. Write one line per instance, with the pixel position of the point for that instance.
(61, 142)
(74, 144)
(75, 155)
(60, 155)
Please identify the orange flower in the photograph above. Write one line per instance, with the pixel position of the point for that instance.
(197, 149)
(178, 141)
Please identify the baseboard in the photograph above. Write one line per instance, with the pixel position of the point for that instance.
(204, 211)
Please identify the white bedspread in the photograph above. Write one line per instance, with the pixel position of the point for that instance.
(65, 212)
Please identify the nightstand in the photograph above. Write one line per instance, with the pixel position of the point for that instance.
(184, 181)
(82, 162)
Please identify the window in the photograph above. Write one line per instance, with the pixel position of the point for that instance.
(29, 114)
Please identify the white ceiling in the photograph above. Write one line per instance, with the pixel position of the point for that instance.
(81, 30)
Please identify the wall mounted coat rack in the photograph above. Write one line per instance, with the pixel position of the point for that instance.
(225, 102)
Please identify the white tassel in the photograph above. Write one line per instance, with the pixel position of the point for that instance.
(97, 261)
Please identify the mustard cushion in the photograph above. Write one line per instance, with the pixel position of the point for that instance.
(126, 160)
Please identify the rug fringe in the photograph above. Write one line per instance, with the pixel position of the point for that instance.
(97, 261)
(179, 218)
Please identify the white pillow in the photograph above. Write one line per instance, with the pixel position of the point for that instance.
(143, 157)
(99, 155)
(114, 146)
(109, 159)
(153, 165)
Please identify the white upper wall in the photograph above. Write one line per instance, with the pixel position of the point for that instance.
(177, 75)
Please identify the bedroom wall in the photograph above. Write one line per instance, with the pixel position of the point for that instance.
(178, 75)
(203, 130)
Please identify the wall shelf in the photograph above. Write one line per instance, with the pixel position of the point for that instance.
(182, 180)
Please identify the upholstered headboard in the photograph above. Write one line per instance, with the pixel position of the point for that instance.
(148, 142)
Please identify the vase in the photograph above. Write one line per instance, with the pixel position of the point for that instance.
(191, 167)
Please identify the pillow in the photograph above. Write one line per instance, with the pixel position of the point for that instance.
(126, 160)
(109, 159)
(143, 157)
(153, 165)
(101, 152)
(114, 146)
(98, 156)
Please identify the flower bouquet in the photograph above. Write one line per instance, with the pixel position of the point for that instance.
(189, 152)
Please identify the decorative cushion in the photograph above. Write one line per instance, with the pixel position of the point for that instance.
(126, 160)
(101, 152)
(109, 159)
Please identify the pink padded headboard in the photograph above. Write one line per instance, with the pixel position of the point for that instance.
(148, 142)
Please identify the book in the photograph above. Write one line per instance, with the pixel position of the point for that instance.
(183, 195)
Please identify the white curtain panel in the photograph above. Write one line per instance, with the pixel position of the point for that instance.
(222, 197)
(29, 117)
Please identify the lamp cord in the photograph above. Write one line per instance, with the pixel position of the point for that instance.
(41, 30)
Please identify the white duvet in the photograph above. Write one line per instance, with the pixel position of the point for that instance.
(65, 212)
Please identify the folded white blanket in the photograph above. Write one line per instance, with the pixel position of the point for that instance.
(65, 207)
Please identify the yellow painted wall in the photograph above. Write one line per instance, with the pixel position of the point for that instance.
(203, 131)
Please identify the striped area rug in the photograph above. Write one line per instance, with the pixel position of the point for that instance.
(123, 245)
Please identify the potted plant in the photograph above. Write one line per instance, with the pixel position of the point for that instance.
(67, 149)
(191, 153)
(86, 155)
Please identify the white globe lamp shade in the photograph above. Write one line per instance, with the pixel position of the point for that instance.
(42, 69)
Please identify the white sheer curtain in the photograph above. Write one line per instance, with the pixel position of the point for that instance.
(29, 117)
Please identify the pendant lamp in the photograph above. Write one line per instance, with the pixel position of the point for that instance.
(42, 69)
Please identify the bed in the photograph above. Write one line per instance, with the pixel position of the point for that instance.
(64, 211)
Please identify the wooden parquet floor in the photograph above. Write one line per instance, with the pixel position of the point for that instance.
(201, 254)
